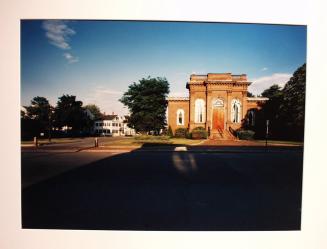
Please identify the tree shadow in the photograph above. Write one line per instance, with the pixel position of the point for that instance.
(171, 191)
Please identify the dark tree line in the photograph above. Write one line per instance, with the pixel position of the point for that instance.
(40, 117)
(285, 110)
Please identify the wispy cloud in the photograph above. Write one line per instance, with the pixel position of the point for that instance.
(107, 99)
(264, 69)
(104, 90)
(58, 34)
(260, 84)
(70, 58)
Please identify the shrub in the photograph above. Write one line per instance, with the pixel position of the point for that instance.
(188, 135)
(181, 132)
(245, 134)
(170, 132)
(199, 133)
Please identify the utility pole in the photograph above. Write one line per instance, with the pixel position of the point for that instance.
(50, 114)
(267, 131)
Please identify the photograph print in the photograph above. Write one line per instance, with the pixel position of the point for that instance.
(162, 125)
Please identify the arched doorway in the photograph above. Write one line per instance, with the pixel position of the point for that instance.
(218, 115)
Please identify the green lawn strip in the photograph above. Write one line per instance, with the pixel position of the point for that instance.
(53, 141)
(150, 141)
(185, 141)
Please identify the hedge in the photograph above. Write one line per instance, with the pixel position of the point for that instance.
(181, 132)
(199, 133)
(245, 134)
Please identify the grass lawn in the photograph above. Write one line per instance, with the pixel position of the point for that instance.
(53, 140)
(148, 140)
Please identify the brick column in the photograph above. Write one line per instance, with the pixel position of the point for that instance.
(191, 110)
(244, 104)
(229, 99)
(206, 122)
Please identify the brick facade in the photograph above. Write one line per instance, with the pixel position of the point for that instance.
(217, 101)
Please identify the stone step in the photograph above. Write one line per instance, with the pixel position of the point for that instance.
(222, 135)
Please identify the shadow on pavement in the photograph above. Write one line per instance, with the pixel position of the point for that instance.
(171, 191)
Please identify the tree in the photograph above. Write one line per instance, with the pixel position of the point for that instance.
(38, 114)
(69, 112)
(272, 106)
(249, 94)
(271, 111)
(293, 105)
(285, 109)
(95, 110)
(272, 91)
(146, 101)
(39, 109)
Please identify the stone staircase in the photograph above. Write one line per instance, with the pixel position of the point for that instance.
(222, 135)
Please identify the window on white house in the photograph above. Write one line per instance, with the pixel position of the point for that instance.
(236, 111)
(199, 111)
(180, 117)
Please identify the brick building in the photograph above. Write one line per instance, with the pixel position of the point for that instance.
(217, 101)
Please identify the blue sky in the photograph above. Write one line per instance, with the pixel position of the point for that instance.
(97, 60)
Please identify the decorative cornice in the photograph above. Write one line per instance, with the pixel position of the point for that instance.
(215, 82)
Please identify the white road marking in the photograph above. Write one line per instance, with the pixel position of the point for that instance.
(180, 148)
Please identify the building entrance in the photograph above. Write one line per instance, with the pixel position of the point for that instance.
(218, 119)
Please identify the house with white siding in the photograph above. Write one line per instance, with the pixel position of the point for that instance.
(112, 125)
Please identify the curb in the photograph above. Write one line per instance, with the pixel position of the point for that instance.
(176, 149)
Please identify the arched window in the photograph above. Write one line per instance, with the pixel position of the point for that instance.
(199, 111)
(180, 117)
(236, 111)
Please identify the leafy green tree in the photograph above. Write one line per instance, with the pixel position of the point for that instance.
(38, 114)
(69, 112)
(95, 110)
(39, 110)
(271, 111)
(284, 109)
(293, 105)
(272, 106)
(146, 101)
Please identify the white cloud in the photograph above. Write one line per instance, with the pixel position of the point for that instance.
(70, 58)
(58, 34)
(264, 69)
(260, 84)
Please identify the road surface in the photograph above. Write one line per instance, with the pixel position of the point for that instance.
(164, 190)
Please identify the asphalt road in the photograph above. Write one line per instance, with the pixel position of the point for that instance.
(165, 191)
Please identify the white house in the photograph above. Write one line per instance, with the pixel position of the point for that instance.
(113, 125)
